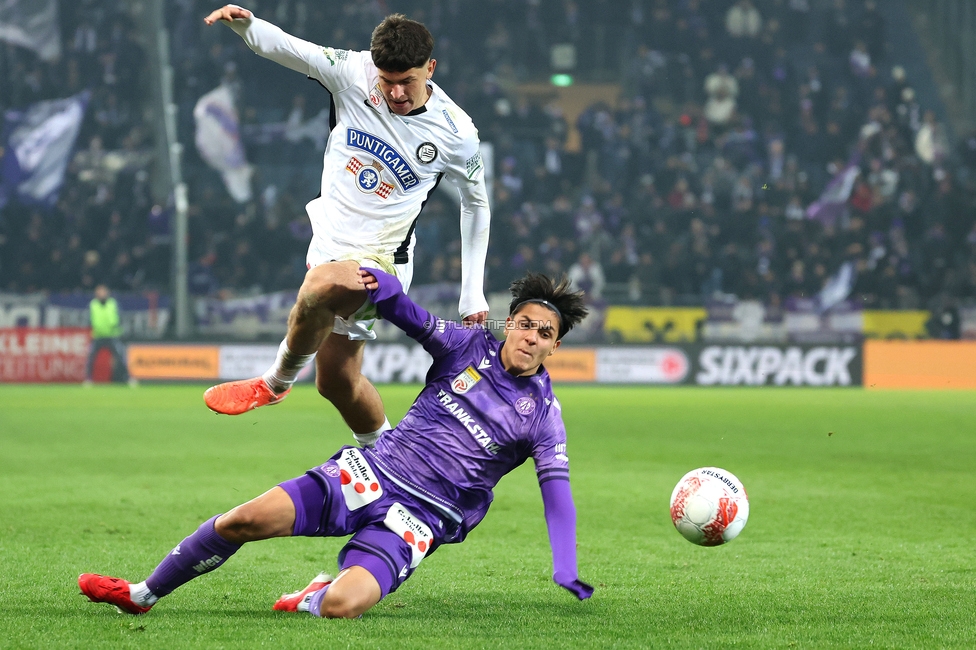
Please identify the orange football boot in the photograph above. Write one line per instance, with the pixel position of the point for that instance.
(114, 591)
(290, 602)
(236, 397)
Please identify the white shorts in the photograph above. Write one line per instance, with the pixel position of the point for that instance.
(359, 326)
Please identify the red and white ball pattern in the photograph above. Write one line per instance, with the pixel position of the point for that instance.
(709, 506)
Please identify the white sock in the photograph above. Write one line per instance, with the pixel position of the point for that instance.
(287, 365)
(141, 595)
(369, 439)
(303, 603)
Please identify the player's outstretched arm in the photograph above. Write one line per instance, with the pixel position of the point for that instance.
(557, 499)
(475, 224)
(385, 291)
(274, 43)
(466, 173)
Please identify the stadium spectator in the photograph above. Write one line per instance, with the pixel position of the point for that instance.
(931, 144)
(105, 332)
(743, 20)
(586, 275)
(722, 89)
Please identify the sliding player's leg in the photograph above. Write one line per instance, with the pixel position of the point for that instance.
(374, 563)
(329, 290)
(393, 533)
(270, 515)
(353, 592)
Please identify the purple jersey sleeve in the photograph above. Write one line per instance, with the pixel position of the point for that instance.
(561, 523)
(436, 335)
(549, 447)
(552, 469)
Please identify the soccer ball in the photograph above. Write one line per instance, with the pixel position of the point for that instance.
(709, 506)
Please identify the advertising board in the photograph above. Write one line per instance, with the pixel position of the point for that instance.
(920, 364)
(174, 361)
(779, 365)
(31, 354)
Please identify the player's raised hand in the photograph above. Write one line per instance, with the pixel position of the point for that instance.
(367, 279)
(381, 284)
(227, 13)
(573, 584)
(475, 319)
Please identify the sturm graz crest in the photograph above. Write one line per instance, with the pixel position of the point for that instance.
(427, 152)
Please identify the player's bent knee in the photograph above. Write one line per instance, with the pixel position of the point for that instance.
(345, 603)
(329, 282)
(353, 593)
(333, 286)
(334, 608)
(314, 294)
(248, 523)
(236, 526)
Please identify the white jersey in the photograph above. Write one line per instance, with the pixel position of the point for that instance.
(379, 168)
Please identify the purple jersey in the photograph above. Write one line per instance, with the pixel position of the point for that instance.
(472, 423)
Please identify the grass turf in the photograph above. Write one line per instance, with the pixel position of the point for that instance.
(861, 530)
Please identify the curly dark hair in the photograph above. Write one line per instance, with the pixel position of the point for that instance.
(541, 289)
(400, 44)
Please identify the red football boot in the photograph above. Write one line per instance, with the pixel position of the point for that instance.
(236, 397)
(290, 602)
(114, 591)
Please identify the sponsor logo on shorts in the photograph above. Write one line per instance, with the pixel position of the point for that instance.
(411, 530)
(357, 480)
(389, 157)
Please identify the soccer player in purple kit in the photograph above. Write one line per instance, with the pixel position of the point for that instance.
(487, 407)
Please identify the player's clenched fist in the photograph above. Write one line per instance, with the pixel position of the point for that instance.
(228, 13)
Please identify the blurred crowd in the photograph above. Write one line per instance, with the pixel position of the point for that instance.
(694, 181)
(101, 229)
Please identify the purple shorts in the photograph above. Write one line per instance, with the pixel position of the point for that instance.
(392, 531)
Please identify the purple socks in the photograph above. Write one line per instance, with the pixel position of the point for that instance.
(315, 604)
(200, 553)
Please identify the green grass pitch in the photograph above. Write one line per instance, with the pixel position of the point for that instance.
(861, 533)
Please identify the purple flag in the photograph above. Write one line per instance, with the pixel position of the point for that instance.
(38, 145)
(833, 200)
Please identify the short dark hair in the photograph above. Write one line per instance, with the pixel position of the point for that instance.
(399, 44)
(541, 289)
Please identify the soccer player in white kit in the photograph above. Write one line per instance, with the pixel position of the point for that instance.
(395, 135)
